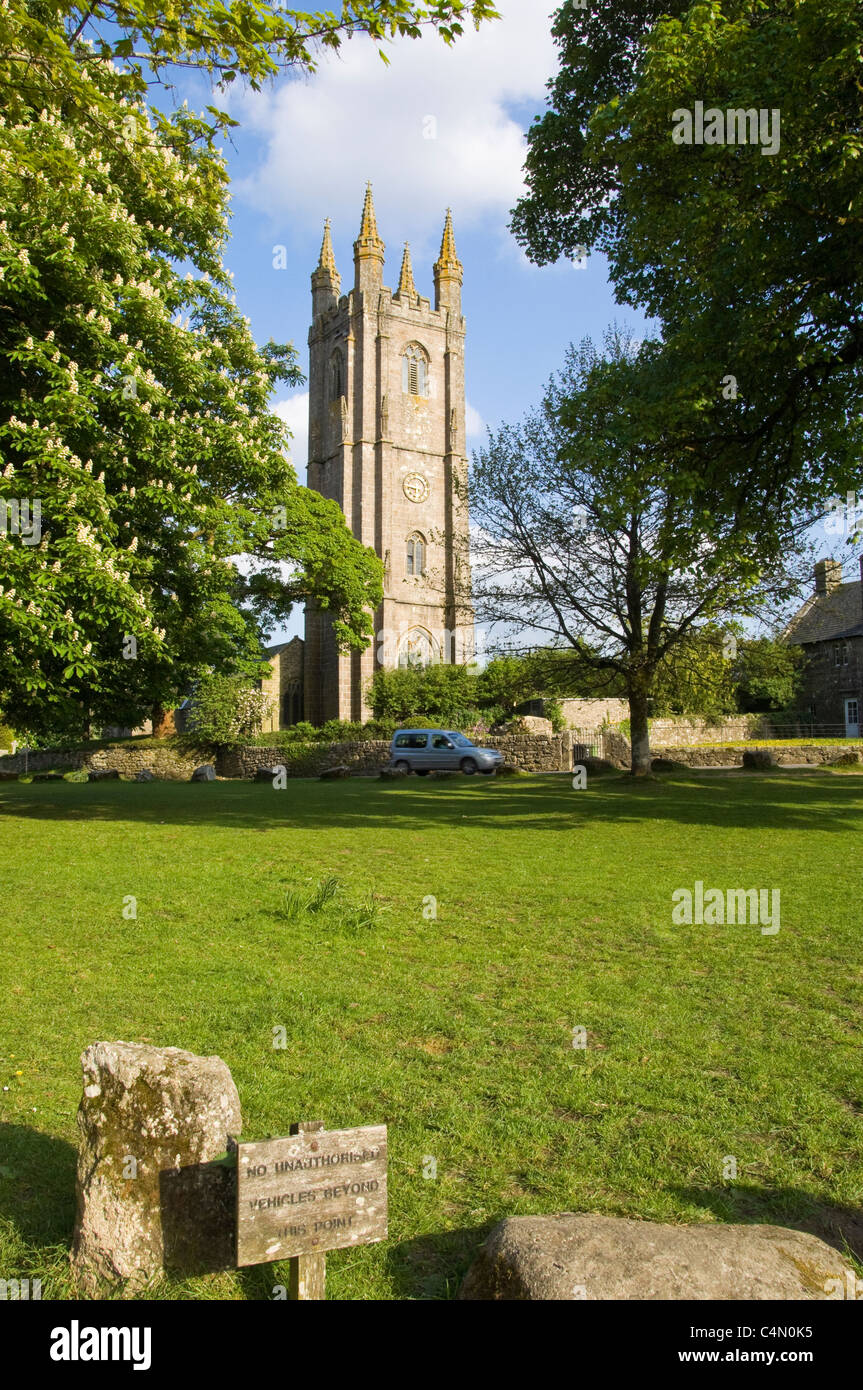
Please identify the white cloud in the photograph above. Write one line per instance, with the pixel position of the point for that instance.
(357, 119)
(473, 421)
(295, 413)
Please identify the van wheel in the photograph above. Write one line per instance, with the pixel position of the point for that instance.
(468, 766)
(401, 766)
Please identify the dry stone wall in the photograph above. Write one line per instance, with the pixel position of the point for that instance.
(306, 759)
(809, 754)
(164, 763)
(530, 752)
(683, 733)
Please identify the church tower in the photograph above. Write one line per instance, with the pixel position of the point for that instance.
(387, 442)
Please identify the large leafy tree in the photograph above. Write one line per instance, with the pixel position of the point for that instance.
(750, 261)
(133, 399)
(593, 533)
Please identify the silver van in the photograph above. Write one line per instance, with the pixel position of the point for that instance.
(440, 750)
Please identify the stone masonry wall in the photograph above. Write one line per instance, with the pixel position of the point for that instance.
(164, 763)
(813, 754)
(683, 733)
(306, 759)
(530, 752)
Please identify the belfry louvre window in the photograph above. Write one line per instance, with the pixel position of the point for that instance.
(416, 554)
(415, 370)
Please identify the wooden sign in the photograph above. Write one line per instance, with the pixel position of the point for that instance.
(316, 1190)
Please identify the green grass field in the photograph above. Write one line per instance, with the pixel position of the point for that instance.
(553, 912)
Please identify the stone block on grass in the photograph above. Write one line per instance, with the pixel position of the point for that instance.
(758, 759)
(575, 1256)
(150, 1197)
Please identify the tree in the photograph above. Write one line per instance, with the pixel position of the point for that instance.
(592, 533)
(768, 675)
(249, 38)
(697, 676)
(227, 710)
(139, 457)
(749, 261)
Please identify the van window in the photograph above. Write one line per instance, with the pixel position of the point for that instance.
(441, 741)
(410, 741)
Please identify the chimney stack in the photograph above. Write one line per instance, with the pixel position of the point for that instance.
(828, 576)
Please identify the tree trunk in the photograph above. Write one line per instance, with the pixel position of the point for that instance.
(639, 734)
(163, 722)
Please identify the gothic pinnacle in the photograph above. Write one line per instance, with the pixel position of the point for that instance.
(327, 260)
(448, 264)
(407, 289)
(368, 243)
(326, 275)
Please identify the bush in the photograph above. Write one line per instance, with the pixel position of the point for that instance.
(441, 690)
(554, 714)
(226, 711)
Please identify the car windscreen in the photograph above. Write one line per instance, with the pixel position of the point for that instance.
(460, 741)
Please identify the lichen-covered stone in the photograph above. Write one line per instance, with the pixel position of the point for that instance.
(331, 773)
(610, 1257)
(103, 774)
(149, 1196)
(758, 759)
(848, 759)
(145, 775)
(205, 773)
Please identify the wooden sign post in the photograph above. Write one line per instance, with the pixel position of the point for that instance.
(315, 1191)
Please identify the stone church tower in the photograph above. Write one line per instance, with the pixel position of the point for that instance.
(387, 442)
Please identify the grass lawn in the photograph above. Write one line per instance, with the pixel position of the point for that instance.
(553, 912)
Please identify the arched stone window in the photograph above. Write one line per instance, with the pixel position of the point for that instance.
(292, 705)
(418, 648)
(415, 562)
(415, 378)
(337, 376)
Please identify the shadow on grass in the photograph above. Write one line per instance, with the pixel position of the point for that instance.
(432, 1267)
(780, 801)
(841, 1227)
(37, 1184)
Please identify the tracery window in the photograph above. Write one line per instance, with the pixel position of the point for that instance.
(415, 370)
(416, 554)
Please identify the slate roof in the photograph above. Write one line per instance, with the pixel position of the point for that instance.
(280, 647)
(825, 617)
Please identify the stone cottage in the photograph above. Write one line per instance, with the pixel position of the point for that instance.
(829, 627)
(284, 685)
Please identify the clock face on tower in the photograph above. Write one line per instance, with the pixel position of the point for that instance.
(416, 487)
